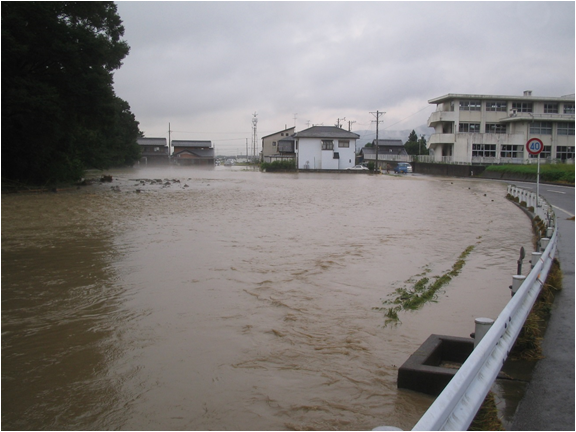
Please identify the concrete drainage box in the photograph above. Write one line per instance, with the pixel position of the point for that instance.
(434, 364)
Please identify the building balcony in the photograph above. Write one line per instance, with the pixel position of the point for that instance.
(530, 117)
(442, 116)
(442, 139)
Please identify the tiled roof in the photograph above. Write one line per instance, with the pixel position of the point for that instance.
(326, 132)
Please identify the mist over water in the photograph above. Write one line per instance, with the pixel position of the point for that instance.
(230, 299)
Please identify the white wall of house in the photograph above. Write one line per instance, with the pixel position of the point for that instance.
(311, 155)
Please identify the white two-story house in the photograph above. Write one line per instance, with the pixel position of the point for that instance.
(325, 148)
(471, 128)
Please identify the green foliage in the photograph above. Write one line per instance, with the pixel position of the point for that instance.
(421, 292)
(371, 165)
(416, 146)
(561, 173)
(60, 114)
(279, 166)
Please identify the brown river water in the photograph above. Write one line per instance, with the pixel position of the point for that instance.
(229, 299)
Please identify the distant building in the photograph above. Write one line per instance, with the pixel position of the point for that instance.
(279, 146)
(388, 150)
(473, 128)
(154, 150)
(325, 148)
(193, 152)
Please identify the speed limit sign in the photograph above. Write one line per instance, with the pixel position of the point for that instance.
(534, 146)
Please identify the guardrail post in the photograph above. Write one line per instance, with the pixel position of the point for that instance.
(544, 243)
(535, 257)
(482, 325)
(517, 280)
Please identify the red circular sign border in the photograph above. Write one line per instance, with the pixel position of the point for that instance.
(528, 146)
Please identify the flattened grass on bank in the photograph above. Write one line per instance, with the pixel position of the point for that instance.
(422, 292)
(556, 173)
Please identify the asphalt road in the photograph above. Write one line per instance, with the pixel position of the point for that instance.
(548, 403)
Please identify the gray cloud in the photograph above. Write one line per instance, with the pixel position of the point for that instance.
(207, 66)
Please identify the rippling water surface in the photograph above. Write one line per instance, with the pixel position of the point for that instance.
(229, 299)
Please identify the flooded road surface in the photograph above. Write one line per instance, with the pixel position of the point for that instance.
(228, 299)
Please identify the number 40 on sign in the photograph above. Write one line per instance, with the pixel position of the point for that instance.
(534, 146)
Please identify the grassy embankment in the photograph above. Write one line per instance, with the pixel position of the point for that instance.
(555, 173)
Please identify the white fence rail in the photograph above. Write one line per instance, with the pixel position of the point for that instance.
(456, 406)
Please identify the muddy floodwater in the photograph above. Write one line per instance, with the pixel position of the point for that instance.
(229, 299)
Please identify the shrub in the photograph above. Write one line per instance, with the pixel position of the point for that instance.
(279, 166)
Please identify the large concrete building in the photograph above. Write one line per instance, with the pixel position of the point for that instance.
(471, 128)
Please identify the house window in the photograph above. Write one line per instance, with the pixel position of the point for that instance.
(469, 127)
(327, 145)
(565, 152)
(496, 106)
(343, 144)
(470, 105)
(495, 128)
(156, 149)
(568, 108)
(566, 128)
(336, 155)
(551, 108)
(546, 153)
(522, 106)
(483, 150)
(273, 143)
(511, 151)
(541, 128)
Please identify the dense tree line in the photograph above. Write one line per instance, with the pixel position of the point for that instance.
(60, 115)
(415, 145)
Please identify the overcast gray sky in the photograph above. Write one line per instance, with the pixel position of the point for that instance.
(207, 67)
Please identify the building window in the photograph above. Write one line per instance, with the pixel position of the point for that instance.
(470, 105)
(566, 128)
(483, 150)
(546, 153)
(564, 152)
(343, 144)
(511, 151)
(336, 155)
(327, 145)
(156, 149)
(469, 127)
(496, 106)
(495, 128)
(551, 108)
(522, 106)
(541, 128)
(273, 143)
(568, 108)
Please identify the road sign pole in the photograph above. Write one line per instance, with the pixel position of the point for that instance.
(538, 184)
(534, 146)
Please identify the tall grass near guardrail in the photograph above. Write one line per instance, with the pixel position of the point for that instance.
(528, 345)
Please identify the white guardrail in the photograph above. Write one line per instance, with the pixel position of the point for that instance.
(456, 407)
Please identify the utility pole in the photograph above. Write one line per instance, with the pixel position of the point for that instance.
(377, 114)
(254, 136)
(338, 121)
(295, 114)
(169, 142)
(350, 123)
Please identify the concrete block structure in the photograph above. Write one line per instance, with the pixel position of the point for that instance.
(489, 129)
